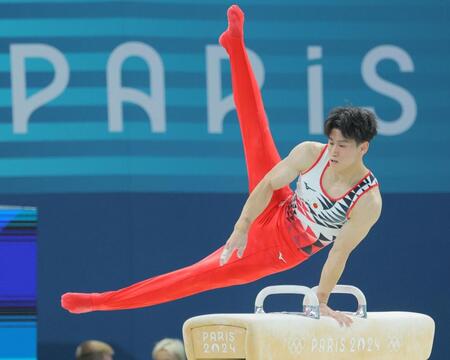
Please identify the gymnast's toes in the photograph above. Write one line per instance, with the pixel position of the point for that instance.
(77, 303)
(235, 21)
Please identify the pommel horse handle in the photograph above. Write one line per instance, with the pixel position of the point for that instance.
(309, 310)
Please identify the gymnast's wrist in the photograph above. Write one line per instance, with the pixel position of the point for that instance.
(242, 225)
(323, 298)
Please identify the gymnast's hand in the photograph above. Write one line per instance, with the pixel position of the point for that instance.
(341, 318)
(236, 241)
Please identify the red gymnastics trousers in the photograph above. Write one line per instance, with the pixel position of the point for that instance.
(270, 248)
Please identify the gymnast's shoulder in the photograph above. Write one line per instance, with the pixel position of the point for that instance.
(368, 206)
(307, 151)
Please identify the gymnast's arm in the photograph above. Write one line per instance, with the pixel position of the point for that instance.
(363, 216)
(282, 174)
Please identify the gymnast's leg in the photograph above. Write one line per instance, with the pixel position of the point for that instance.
(261, 257)
(261, 154)
(202, 276)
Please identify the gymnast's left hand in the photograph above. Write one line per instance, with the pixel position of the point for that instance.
(236, 241)
(341, 318)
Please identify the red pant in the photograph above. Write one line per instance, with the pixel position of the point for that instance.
(271, 245)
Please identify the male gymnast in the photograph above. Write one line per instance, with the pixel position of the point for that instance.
(337, 201)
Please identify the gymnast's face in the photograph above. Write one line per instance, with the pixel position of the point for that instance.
(344, 152)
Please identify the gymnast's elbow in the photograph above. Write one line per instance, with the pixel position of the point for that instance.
(281, 175)
(340, 253)
(267, 184)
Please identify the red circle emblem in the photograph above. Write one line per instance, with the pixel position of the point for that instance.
(315, 206)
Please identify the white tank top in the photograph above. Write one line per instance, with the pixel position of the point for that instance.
(317, 210)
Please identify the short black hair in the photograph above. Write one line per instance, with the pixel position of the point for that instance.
(354, 123)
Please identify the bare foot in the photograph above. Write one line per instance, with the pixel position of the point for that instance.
(235, 25)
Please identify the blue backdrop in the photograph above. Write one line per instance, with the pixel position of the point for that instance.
(124, 196)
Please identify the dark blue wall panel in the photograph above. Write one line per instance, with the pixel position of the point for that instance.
(88, 243)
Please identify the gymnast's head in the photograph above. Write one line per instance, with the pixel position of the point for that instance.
(349, 130)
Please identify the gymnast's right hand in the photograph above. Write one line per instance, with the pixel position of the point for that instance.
(236, 241)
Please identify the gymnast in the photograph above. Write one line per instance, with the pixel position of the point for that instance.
(337, 200)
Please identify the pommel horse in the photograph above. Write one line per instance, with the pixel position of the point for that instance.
(308, 336)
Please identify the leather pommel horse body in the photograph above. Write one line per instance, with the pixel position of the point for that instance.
(307, 335)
